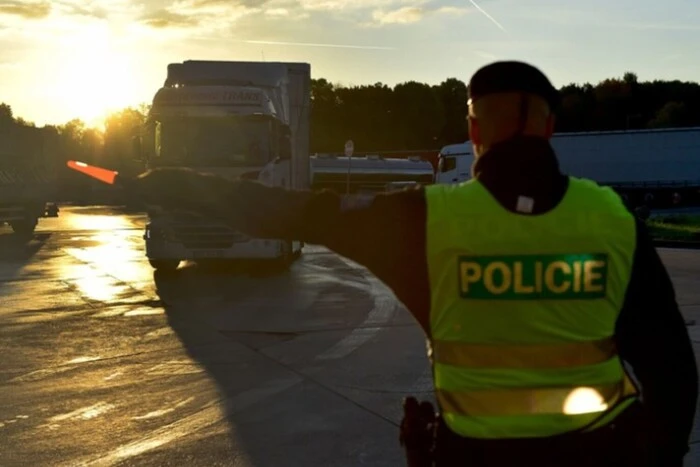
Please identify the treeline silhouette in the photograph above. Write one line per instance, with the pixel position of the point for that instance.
(419, 116)
(378, 117)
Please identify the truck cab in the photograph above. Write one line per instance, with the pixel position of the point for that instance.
(455, 163)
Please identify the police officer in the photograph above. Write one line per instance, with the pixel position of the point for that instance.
(533, 289)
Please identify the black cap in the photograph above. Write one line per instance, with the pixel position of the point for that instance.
(512, 76)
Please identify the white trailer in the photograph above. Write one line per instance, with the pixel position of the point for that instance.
(236, 120)
(639, 164)
(28, 177)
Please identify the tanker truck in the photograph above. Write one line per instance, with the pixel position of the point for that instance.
(247, 120)
(368, 174)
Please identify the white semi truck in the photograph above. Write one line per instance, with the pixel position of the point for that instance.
(233, 119)
(661, 164)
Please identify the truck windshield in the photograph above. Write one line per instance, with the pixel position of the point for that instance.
(446, 164)
(221, 142)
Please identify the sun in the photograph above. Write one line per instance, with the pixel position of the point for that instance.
(93, 76)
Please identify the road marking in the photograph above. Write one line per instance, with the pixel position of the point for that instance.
(160, 413)
(385, 306)
(176, 367)
(83, 413)
(209, 415)
(41, 374)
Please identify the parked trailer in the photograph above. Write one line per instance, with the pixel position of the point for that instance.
(27, 177)
(645, 166)
(368, 174)
(655, 167)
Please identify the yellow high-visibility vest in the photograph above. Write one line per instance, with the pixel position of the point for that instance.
(523, 310)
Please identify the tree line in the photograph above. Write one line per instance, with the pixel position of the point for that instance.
(378, 117)
(415, 115)
(22, 143)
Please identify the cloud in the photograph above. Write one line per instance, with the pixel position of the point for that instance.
(215, 7)
(410, 14)
(372, 13)
(95, 9)
(452, 10)
(286, 13)
(167, 19)
(26, 10)
(211, 14)
(53, 9)
(337, 5)
(310, 44)
(405, 15)
(277, 12)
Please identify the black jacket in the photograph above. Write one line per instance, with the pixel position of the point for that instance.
(387, 234)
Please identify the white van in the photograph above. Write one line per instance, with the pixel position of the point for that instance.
(455, 163)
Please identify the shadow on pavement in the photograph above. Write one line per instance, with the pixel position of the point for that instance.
(257, 336)
(20, 249)
(194, 298)
(15, 253)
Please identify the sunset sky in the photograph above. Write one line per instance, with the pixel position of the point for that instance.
(62, 59)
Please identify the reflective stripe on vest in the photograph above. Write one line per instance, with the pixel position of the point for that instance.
(554, 401)
(523, 310)
(542, 356)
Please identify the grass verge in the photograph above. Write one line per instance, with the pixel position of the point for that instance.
(675, 227)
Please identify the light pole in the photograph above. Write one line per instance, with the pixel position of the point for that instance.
(349, 148)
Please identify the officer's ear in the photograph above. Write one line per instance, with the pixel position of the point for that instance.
(474, 134)
(551, 121)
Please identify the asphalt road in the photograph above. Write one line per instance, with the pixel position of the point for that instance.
(106, 363)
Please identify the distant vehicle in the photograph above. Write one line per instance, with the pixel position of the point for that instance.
(430, 155)
(398, 186)
(455, 163)
(367, 174)
(237, 120)
(659, 167)
(28, 177)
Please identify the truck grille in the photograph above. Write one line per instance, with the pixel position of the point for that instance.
(204, 236)
(196, 233)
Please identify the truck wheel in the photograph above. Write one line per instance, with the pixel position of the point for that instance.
(23, 227)
(164, 264)
(52, 210)
(289, 256)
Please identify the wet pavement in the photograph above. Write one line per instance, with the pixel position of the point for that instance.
(106, 363)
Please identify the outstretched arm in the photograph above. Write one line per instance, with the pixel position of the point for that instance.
(383, 232)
